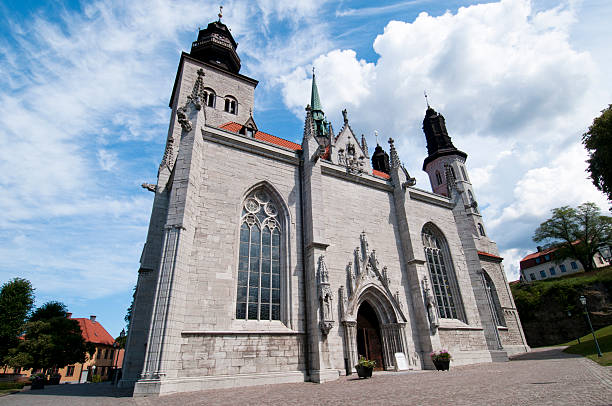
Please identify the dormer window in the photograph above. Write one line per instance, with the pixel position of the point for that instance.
(231, 105)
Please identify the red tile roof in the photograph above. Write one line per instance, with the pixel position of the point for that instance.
(380, 174)
(539, 254)
(262, 136)
(93, 332)
(486, 254)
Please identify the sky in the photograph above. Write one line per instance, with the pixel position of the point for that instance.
(84, 89)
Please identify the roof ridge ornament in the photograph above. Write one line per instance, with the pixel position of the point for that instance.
(220, 13)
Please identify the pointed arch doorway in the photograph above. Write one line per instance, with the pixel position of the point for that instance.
(369, 342)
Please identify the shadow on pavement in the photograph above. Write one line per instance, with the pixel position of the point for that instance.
(544, 353)
(103, 390)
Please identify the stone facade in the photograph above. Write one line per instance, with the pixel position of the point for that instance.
(348, 237)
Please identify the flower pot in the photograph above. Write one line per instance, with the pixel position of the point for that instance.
(364, 372)
(38, 384)
(442, 364)
(55, 380)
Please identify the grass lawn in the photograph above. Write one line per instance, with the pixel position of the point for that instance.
(587, 346)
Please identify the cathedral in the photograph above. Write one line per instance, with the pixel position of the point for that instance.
(268, 261)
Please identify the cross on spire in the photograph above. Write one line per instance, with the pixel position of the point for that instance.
(426, 99)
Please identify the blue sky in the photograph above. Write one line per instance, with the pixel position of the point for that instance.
(85, 86)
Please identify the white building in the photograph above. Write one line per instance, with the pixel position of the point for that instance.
(268, 261)
(542, 265)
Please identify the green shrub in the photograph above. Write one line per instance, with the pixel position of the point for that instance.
(96, 379)
(12, 385)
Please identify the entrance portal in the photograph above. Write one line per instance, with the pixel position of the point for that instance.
(369, 343)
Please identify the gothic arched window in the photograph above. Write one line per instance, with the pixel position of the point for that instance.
(463, 173)
(493, 299)
(481, 229)
(441, 273)
(438, 178)
(259, 261)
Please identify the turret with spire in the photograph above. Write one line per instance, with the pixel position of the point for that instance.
(318, 116)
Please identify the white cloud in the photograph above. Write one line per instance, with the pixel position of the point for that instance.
(515, 92)
(512, 258)
(107, 160)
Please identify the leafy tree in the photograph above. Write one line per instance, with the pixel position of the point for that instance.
(51, 340)
(130, 310)
(575, 232)
(598, 142)
(16, 302)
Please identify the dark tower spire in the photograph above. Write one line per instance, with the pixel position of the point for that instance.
(438, 142)
(380, 159)
(216, 46)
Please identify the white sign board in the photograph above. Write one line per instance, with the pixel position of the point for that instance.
(401, 364)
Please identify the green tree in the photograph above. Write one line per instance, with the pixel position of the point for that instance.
(16, 302)
(575, 232)
(598, 142)
(51, 340)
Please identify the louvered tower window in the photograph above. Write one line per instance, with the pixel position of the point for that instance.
(259, 264)
(441, 273)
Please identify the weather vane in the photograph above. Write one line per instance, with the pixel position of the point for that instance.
(376, 136)
(312, 70)
(220, 13)
(426, 99)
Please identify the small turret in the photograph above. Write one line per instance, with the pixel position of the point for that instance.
(321, 124)
(380, 160)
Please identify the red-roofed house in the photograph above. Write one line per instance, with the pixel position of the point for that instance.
(541, 265)
(101, 363)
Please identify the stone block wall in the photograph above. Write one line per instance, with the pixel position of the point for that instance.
(210, 355)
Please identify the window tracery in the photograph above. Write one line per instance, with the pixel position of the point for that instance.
(441, 274)
(258, 295)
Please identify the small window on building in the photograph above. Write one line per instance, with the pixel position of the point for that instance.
(552, 271)
(453, 172)
(438, 178)
(481, 229)
(98, 353)
(209, 97)
(547, 257)
(70, 370)
(231, 105)
(538, 260)
(463, 173)
(543, 274)
(106, 354)
(562, 268)
(574, 265)
(601, 261)
(532, 276)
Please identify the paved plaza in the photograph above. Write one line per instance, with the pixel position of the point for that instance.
(545, 376)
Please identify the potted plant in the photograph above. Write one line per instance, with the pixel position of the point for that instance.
(441, 359)
(54, 379)
(38, 381)
(365, 367)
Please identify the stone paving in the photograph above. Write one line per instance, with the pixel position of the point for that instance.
(545, 376)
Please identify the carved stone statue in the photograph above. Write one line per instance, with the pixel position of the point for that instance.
(430, 304)
(325, 298)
